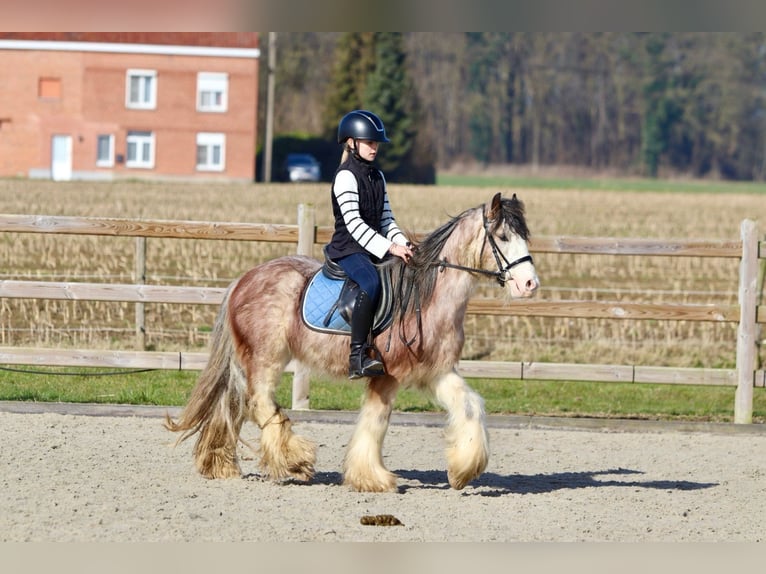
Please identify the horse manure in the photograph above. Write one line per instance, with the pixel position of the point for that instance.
(381, 520)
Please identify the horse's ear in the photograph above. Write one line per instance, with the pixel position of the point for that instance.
(495, 207)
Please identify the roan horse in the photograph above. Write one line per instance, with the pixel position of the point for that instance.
(259, 329)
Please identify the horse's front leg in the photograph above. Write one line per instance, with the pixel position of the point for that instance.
(466, 433)
(363, 468)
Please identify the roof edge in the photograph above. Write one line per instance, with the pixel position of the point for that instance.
(118, 48)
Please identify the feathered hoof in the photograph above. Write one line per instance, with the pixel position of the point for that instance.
(459, 477)
(302, 472)
(300, 459)
(218, 464)
(459, 481)
(295, 459)
(378, 482)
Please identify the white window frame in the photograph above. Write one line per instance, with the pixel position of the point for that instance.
(109, 160)
(211, 83)
(146, 101)
(210, 140)
(140, 139)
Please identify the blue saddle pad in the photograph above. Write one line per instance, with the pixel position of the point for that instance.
(322, 293)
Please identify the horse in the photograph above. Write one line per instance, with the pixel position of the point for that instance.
(258, 330)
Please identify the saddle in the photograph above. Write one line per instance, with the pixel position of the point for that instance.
(328, 300)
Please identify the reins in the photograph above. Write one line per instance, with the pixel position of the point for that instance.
(405, 301)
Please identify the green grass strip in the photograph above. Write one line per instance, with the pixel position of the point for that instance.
(544, 398)
(605, 184)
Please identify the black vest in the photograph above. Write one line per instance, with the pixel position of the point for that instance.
(372, 191)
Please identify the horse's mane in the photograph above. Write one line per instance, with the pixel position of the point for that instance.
(416, 280)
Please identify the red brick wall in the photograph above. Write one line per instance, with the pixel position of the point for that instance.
(25, 139)
(93, 102)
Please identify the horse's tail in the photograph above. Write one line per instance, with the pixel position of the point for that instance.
(216, 407)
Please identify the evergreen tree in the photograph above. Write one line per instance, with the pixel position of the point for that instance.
(354, 61)
(479, 121)
(390, 95)
(661, 111)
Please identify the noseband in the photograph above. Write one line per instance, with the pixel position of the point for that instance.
(502, 274)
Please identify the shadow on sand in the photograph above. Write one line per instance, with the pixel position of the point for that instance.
(491, 484)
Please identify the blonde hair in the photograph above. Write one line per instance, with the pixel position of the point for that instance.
(346, 152)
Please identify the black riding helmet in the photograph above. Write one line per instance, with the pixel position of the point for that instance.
(361, 125)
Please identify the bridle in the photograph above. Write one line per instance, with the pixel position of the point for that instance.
(501, 275)
(503, 271)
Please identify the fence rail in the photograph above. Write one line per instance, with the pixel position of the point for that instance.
(306, 234)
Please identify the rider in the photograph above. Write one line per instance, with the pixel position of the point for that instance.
(365, 229)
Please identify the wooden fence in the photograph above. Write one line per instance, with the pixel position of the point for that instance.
(748, 314)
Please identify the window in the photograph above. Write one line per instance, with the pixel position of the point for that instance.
(141, 89)
(140, 150)
(212, 92)
(105, 150)
(210, 151)
(49, 88)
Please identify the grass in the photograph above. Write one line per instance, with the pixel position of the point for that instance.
(548, 398)
(603, 184)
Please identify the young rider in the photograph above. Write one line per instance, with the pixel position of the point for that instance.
(365, 228)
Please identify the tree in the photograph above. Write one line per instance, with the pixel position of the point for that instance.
(436, 62)
(389, 93)
(685, 102)
(354, 61)
(660, 109)
(491, 91)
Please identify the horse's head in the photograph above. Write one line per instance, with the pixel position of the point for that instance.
(506, 246)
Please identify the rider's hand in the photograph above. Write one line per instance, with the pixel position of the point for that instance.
(403, 251)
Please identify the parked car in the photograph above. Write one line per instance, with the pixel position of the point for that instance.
(302, 167)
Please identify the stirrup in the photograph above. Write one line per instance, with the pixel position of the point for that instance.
(366, 367)
(368, 371)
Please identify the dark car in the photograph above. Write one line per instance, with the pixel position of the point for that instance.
(302, 167)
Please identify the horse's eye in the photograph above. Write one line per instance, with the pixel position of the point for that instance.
(503, 237)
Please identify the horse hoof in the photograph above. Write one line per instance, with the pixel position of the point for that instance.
(388, 484)
(302, 473)
(221, 471)
(459, 482)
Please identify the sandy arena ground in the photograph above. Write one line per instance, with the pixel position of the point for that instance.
(111, 474)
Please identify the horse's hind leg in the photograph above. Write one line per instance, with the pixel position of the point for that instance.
(215, 452)
(466, 433)
(283, 453)
(363, 467)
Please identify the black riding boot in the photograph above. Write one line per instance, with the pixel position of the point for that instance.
(359, 364)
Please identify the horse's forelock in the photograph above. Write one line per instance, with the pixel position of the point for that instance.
(513, 215)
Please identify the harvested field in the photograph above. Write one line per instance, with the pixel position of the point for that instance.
(214, 263)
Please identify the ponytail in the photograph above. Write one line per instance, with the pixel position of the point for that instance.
(347, 150)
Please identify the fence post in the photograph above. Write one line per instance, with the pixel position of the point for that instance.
(759, 301)
(306, 235)
(140, 280)
(746, 347)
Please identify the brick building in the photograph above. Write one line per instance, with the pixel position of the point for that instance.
(108, 105)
